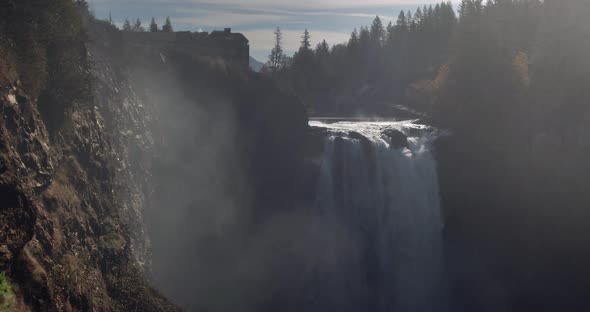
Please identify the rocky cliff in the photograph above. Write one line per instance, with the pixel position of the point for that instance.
(84, 183)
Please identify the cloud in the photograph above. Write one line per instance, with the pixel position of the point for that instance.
(219, 18)
(231, 17)
(284, 4)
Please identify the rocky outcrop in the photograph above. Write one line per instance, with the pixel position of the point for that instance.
(72, 236)
(397, 139)
(26, 169)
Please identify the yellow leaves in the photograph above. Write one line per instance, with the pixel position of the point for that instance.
(435, 85)
(442, 77)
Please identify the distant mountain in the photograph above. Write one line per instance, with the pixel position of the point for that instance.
(255, 64)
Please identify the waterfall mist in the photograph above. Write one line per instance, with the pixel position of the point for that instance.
(194, 218)
(368, 240)
(214, 246)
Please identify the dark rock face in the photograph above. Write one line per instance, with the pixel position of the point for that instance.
(71, 204)
(26, 170)
(397, 139)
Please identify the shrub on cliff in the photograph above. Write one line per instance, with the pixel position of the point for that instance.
(7, 297)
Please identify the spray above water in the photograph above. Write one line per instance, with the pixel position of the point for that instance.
(383, 190)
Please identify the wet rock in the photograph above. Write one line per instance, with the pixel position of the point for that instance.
(315, 142)
(397, 139)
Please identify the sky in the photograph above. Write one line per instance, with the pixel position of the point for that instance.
(330, 20)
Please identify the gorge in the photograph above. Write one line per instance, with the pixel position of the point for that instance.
(136, 179)
(169, 174)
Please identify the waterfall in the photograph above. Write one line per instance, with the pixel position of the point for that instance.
(387, 201)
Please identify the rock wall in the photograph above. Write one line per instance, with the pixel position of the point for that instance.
(72, 231)
(84, 206)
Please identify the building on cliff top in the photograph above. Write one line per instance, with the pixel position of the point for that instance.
(232, 47)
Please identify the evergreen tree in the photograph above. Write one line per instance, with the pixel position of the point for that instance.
(303, 59)
(276, 59)
(167, 26)
(418, 19)
(463, 8)
(364, 38)
(412, 26)
(430, 18)
(322, 50)
(137, 26)
(153, 25)
(402, 22)
(354, 38)
(305, 43)
(377, 32)
(127, 25)
(390, 30)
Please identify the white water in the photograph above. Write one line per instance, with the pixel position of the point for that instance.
(387, 201)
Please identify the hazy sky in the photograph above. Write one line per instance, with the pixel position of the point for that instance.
(332, 20)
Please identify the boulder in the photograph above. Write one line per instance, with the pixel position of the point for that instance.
(397, 139)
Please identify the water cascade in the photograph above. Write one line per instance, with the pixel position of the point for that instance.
(378, 184)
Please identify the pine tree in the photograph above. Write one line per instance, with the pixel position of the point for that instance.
(418, 19)
(390, 30)
(303, 59)
(322, 50)
(463, 7)
(153, 25)
(364, 38)
(305, 44)
(354, 38)
(377, 31)
(167, 26)
(276, 59)
(402, 22)
(137, 26)
(127, 25)
(430, 18)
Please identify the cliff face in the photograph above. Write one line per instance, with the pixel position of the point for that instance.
(72, 233)
(166, 147)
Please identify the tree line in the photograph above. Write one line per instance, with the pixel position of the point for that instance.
(438, 60)
(514, 91)
(153, 27)
(393, 55)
